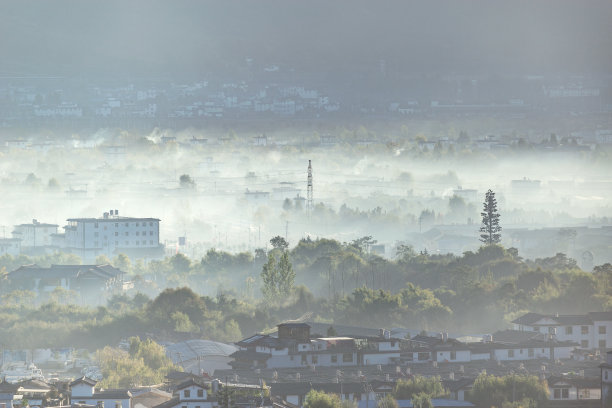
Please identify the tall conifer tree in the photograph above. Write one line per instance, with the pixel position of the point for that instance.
(490, 229)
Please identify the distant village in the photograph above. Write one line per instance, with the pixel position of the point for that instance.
(263, 91)
(357, 364)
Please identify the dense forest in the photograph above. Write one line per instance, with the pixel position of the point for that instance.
(322, 280)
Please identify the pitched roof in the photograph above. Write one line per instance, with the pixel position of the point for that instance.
(191, 382)
(599, 316)
(564, 320)
(516, 336)
(579, 382)
(528, 318)
(296, 325)
(169, 404)
(34, 271)
(113, 393)
(6, 387)
(84, 380)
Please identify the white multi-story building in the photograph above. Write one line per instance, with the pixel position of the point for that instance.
(591, 331)
(34, 235)
(10, 246)
(112, 234)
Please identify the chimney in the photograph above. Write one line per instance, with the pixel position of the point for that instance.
(105, 215)
(116, 213)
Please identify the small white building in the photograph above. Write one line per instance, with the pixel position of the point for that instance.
(190, 394)
(574, 388)
(82, 391)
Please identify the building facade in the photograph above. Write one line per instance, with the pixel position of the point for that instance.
(110, 235)
(591, 331)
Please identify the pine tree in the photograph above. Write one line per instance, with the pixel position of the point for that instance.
(490, 220)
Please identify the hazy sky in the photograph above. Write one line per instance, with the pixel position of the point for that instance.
(191, 37)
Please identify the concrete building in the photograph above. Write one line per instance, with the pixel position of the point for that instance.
(110, 235)
(591, 331)
(82, 392)
(10, 246)
(34, 235)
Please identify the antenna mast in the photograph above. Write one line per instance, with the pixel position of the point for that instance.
(309, 204)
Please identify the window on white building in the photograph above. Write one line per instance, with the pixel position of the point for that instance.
(334, 359)
(453, 355)
(200, 393)
(584, 344)
(187, 393)
(127, 233)
(137, 224)
(584, 329)
(510, 353)
(530, 352)
(602, 344)
(569, 330)
(602, 329)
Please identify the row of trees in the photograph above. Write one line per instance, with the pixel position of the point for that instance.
(510, 391)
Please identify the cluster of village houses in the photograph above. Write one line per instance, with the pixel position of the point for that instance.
(569, 351)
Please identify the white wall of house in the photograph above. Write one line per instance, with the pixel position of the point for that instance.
(106, 403)
(391, 345)
(459, 356)
(602, 339)
(82, 390)
(191, 393)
